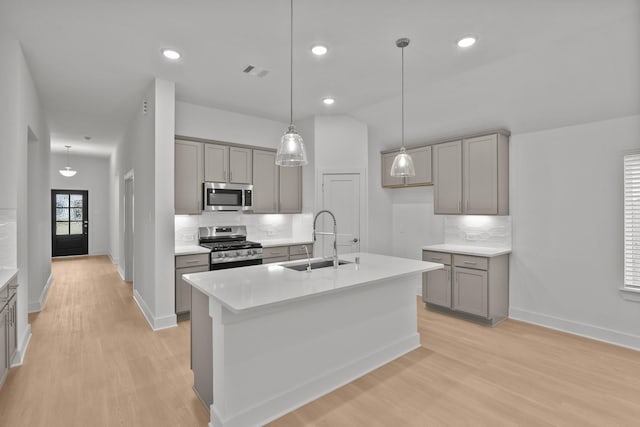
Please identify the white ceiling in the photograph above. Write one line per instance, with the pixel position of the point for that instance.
(537, 64)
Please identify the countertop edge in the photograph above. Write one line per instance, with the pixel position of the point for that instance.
(11, 274)
(483, 252)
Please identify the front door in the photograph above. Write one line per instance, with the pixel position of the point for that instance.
(341, 195)
(69, 222)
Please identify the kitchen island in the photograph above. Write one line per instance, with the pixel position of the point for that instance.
(267, 339)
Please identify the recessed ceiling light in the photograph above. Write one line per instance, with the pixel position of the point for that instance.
(328, 101)
(466, 41)
(171, 54)
(319, 50)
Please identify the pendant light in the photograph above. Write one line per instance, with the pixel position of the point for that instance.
(291, 150)
(403, 164)
(67, 171)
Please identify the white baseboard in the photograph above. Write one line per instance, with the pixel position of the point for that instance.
(156, 323)
(316, 387)
(586, 330)
(121, 273)
(113, 260)
(36, 306)
(23, 343)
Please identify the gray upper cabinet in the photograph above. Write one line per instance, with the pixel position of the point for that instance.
(480, 184)
(447, 178)
(472, 176)
(290, 189)
(216, 163)
(387, 179)
(188, 177)
(421, 157)
(240, 169)
(265, 182)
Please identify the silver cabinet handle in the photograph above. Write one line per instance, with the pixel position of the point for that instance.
(470, 263)
(436, 257)
(192, 262)
(230, 175)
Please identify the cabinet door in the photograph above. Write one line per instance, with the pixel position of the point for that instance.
(387, 179)
(470, 291)
(216, 163)
(265, 182)
(12, 339)
(290, 189)
(447, 178)
(183, 289)
(436, 287)
(188, 178)
(422, 164)
(480, 175)
(240, 169)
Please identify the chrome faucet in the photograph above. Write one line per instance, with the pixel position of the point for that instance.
(308, 259)
(335, 234)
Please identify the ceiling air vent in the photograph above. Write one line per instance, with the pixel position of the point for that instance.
(252, 70)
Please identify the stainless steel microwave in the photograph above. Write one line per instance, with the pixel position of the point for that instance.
(220, 196)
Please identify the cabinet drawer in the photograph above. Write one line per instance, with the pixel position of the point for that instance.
(439, 257)
(297, 257)
(299, 250)
(469, 261)
(276, 251)
(192, 260)
(275, 259)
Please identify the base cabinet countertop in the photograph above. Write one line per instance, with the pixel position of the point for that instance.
(295, 336)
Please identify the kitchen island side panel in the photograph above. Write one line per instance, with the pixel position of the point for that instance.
(273, 360)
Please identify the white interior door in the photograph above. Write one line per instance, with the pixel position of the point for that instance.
(341, 195)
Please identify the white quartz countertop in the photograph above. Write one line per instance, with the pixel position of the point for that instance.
(191, 250)
(284, 242)
(6, 275)
(468, 250)
(241, 289)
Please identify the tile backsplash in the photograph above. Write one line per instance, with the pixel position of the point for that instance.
(8, 238)
(478, 230)
(260, 227)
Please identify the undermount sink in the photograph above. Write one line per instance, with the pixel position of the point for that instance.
(316, 264)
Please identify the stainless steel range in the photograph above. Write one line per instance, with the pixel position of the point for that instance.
(230, 247)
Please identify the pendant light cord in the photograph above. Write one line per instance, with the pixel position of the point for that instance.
(402, 84)
(291, 69)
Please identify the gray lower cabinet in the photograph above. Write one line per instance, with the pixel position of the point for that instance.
(473, 285)
(286, 253)
(186, 264)
(8, 327)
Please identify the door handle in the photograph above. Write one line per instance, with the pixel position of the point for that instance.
(355, 240)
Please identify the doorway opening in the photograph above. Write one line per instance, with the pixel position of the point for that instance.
(69, 222)
(128, 226)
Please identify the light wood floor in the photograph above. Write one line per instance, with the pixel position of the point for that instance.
(93, 361)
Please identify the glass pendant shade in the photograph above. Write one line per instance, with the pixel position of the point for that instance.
(67, 171)
(402, 165)
(291, 150)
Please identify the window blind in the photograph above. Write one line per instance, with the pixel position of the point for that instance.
(632, 221)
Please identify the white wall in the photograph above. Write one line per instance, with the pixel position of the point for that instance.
(93, 175)
(567, 212)
(24, 182)
(147, 149)
(219, 125)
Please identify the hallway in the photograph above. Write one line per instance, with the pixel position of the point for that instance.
(94, 361)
